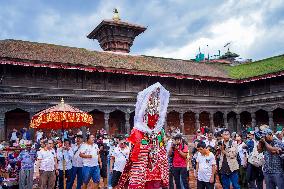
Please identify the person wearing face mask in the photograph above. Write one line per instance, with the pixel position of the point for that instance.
(118, 161)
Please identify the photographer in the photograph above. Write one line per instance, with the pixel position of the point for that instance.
(255, 162)
(273, 164)
(180, 151)
(228, 161)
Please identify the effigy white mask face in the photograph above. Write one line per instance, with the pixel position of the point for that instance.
(151, 109)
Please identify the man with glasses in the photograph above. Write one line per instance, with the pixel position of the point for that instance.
(47, 166)
(118, 160)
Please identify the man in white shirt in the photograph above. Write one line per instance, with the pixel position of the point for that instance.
(118, 161)
(65, 153)
(205, 167)
(91, 162)
(210, 141)
(77, 163)
(39, 135)
(14, 136)
(47, 166)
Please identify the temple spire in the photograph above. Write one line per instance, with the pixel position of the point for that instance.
(116, 35)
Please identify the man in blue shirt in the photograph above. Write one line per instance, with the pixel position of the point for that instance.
(273, 166)
(27, 158)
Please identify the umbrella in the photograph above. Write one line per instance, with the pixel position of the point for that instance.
(61, 116)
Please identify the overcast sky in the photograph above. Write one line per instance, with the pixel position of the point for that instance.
(175, 28)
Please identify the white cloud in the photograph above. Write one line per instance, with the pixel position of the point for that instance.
(232, 30)
(240, 22)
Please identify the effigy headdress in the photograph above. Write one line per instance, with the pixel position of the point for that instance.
(151, 109)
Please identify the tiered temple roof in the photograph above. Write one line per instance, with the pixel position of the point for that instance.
(35, 54)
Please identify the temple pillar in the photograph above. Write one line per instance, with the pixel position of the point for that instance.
(225, 118)
(271, 122)
(2, 126)
(212, 127)
(106, 118)
(181, 122)
(253, 121)
(238, 116)
(197, 122)
(127, 124)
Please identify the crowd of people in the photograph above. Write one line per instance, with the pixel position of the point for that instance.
(54, 160)
(246, 160)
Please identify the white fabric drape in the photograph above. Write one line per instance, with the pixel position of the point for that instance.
(141, 105)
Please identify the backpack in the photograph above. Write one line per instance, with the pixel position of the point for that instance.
(255, 158)
(238, 155)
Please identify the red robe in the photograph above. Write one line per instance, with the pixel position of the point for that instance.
(140, 171)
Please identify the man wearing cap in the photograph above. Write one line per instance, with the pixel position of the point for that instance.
(180, 151)
(254, 172)
(273, 164)
(27, 158)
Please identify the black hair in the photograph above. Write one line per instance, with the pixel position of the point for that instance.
(79, 136)
(120, 138)
(88, 136)
(225, 130)
(44, 141)
(178, 136)
(67, 140)
(201, 145)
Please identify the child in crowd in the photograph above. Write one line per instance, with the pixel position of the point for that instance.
(205, 167)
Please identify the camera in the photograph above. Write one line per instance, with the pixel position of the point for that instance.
(220, 143)
(259, 135)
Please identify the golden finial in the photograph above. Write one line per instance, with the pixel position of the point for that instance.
(62, 101)
(115, 15)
